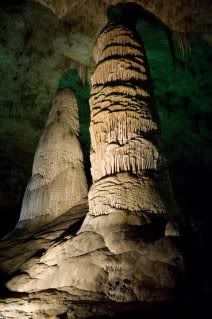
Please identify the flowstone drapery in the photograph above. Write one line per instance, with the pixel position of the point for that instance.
(58, 180)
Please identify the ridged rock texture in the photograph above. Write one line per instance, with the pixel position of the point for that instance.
(126, 249)
(131, 198)
(58, 180)
(128, 169)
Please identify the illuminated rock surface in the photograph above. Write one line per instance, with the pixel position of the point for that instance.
(113, 243)
(55, 304)
(130, 198)
(56, 246)
(24, 245)
(128, 169)
(58, 180)
(120, 252)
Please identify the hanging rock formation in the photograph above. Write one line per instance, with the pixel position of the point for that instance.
(58, 180)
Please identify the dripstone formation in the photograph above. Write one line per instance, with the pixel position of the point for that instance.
(126, 249)
(131, 199)
(128, 170)
(58, 180)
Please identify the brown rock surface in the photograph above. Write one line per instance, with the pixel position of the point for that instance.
(180, 15)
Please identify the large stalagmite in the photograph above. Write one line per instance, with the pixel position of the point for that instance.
(58, 180)
(126, 249)
(129, 172)
(131, 199)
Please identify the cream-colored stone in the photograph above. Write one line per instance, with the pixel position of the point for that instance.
(58, 180)
(123, 251)
(21, 245)
(127, 165)
(130, 192)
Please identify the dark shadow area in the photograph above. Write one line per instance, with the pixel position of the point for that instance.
(128, 13)
(193, 193)
(10, 204)
(71, 80)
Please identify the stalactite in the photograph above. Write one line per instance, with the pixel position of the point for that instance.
(122, 125)
(82, 72)
(136, 155)
(122, 51)
(118, 70)
(126, 89)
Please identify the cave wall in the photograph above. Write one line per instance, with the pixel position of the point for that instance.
(183, 98)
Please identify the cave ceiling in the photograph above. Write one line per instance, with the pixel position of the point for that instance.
(85, 19)
(178, 15)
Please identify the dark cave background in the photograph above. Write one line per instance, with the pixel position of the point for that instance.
(33, 66)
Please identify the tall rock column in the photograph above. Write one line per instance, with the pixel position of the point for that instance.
(126, 249)
(58, 180)
(128, 169)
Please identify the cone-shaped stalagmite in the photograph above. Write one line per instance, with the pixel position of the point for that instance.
(58, 180)
(131, 198)
(125, 250)
(128, 169)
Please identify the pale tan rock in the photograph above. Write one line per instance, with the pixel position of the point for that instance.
(84, 266)
(131, 198)
(123, 251)
(54, 304)
(58, 180)
(23, 245)
(130, 192)
(128, 169)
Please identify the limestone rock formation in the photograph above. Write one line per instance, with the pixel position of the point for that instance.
(126, 249)
(130, 199)
(58, 180)
(55, 304)
(123, 251)
(25, 245)
(128, 168)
